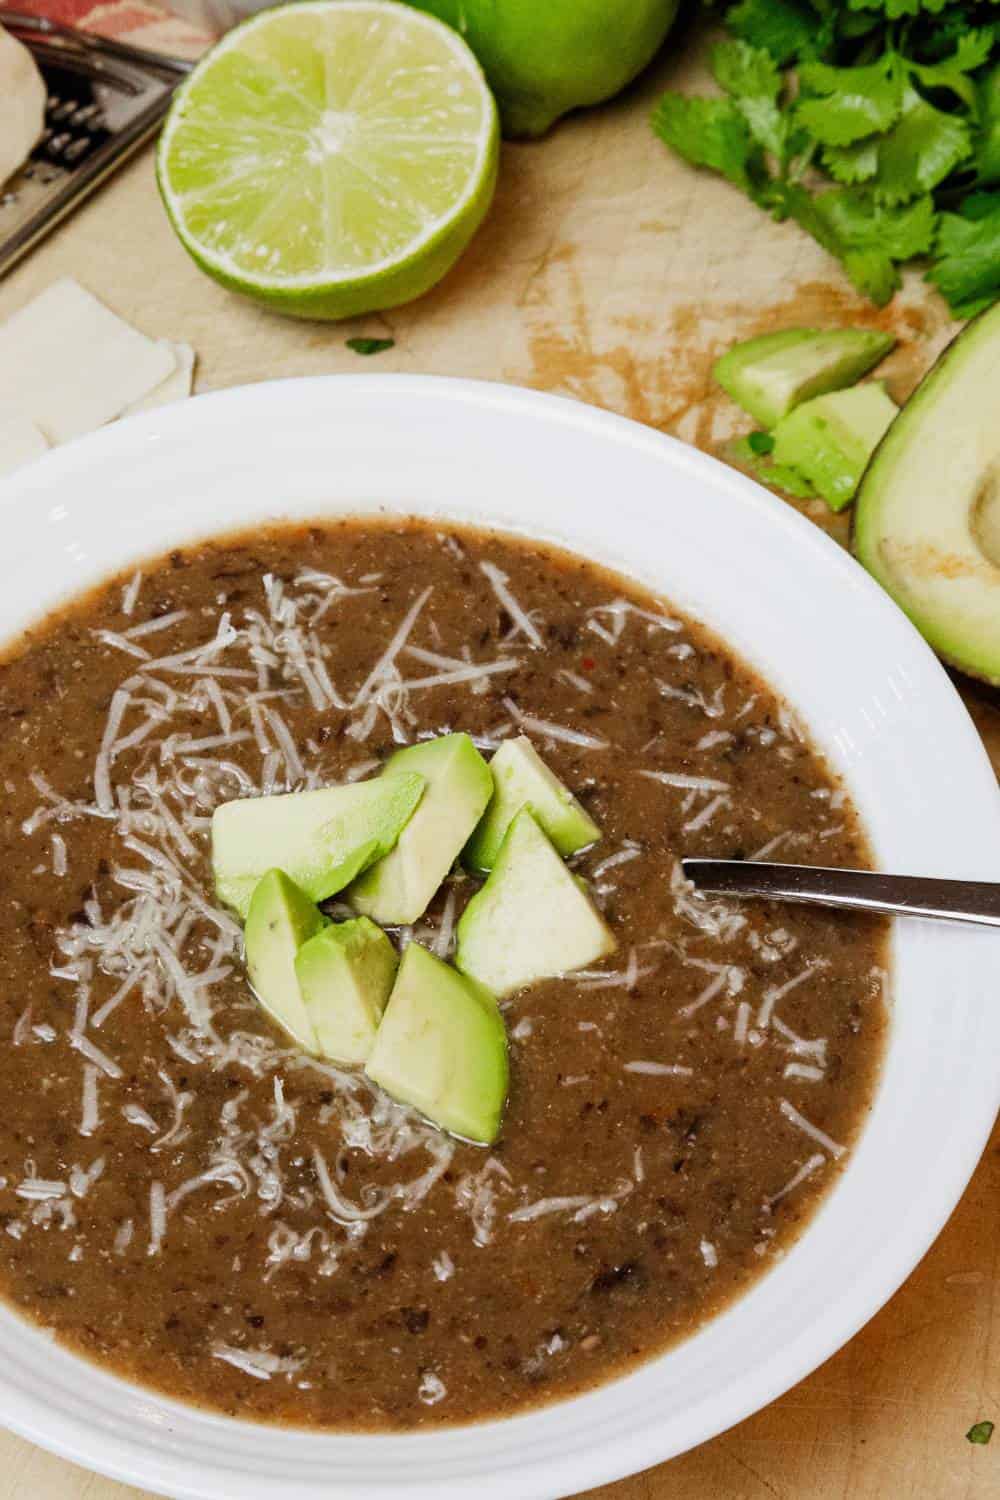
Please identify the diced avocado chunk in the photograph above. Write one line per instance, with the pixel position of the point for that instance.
(345, 974)
(927, 516)
(776, 372)
(831, 438)
(522, 779)
(442, 1047)
(401, 886)
(532, 919)
(321, 839)
(281, 918)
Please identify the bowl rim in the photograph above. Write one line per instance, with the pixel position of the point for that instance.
(123, 1457)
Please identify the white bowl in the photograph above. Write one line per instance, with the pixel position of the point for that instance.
(821, 631)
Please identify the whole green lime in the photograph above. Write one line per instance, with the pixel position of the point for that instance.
(545, 57)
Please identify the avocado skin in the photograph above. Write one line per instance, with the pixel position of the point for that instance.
(971, 654)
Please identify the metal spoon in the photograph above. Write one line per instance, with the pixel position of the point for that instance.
(857, 890)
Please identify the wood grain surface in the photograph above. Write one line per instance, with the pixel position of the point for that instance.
(609, 272)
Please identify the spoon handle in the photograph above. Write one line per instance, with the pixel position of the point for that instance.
(858, 890)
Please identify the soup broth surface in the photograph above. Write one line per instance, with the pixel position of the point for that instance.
(187, 1198)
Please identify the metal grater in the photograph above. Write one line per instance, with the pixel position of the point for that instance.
(105, 100)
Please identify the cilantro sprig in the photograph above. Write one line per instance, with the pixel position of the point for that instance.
(873, 124)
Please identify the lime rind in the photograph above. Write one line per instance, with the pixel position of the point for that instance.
(331, 157)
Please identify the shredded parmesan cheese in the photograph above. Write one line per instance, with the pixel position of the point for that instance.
(431, 1389)
(157, 1217)
(574, 679)
(686, 783)
(93, 1054)
(659, 1070)
(388, 657)
(778, 992)
(256, 1362)
(772, 846)
(619, 610)
(806, 1170)
(579, 1206)
(130, 593)
(89, 1115)
(443, 1266)
(523, 623)
(477, 1194)
(712, 738)
(708, 812)
(628, 852)
(808, 1072)
(813, 1131)
(554, 731)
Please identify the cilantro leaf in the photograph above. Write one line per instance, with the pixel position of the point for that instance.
(971, 51)
(852, 164)
(767, 125)
(861, 120)
(750, 75)
(967, 268)
(980, 1432)
(921, 150)
(873, 273)
(979, 205)
(865, 235)
(707, 133)
(988, 139)
(857, 23)
(870, 268)
(859, 221)
(896, 9)
(369, 345)
(784, 28)
(852, 102)
(746, 71)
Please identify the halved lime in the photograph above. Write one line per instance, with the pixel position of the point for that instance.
(331, 157)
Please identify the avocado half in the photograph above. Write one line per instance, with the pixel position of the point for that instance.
(927, 515)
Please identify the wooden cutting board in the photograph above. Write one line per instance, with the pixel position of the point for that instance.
(609, 272)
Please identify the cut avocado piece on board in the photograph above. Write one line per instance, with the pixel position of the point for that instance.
(927, 517)
(281, 918)
(532, 919)
(442, 1048)
(830, 439)
(770, 375)
(522, 779)
(321, 839)
(400, 887)
(345, 974)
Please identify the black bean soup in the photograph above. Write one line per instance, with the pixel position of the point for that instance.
(188, 1199)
